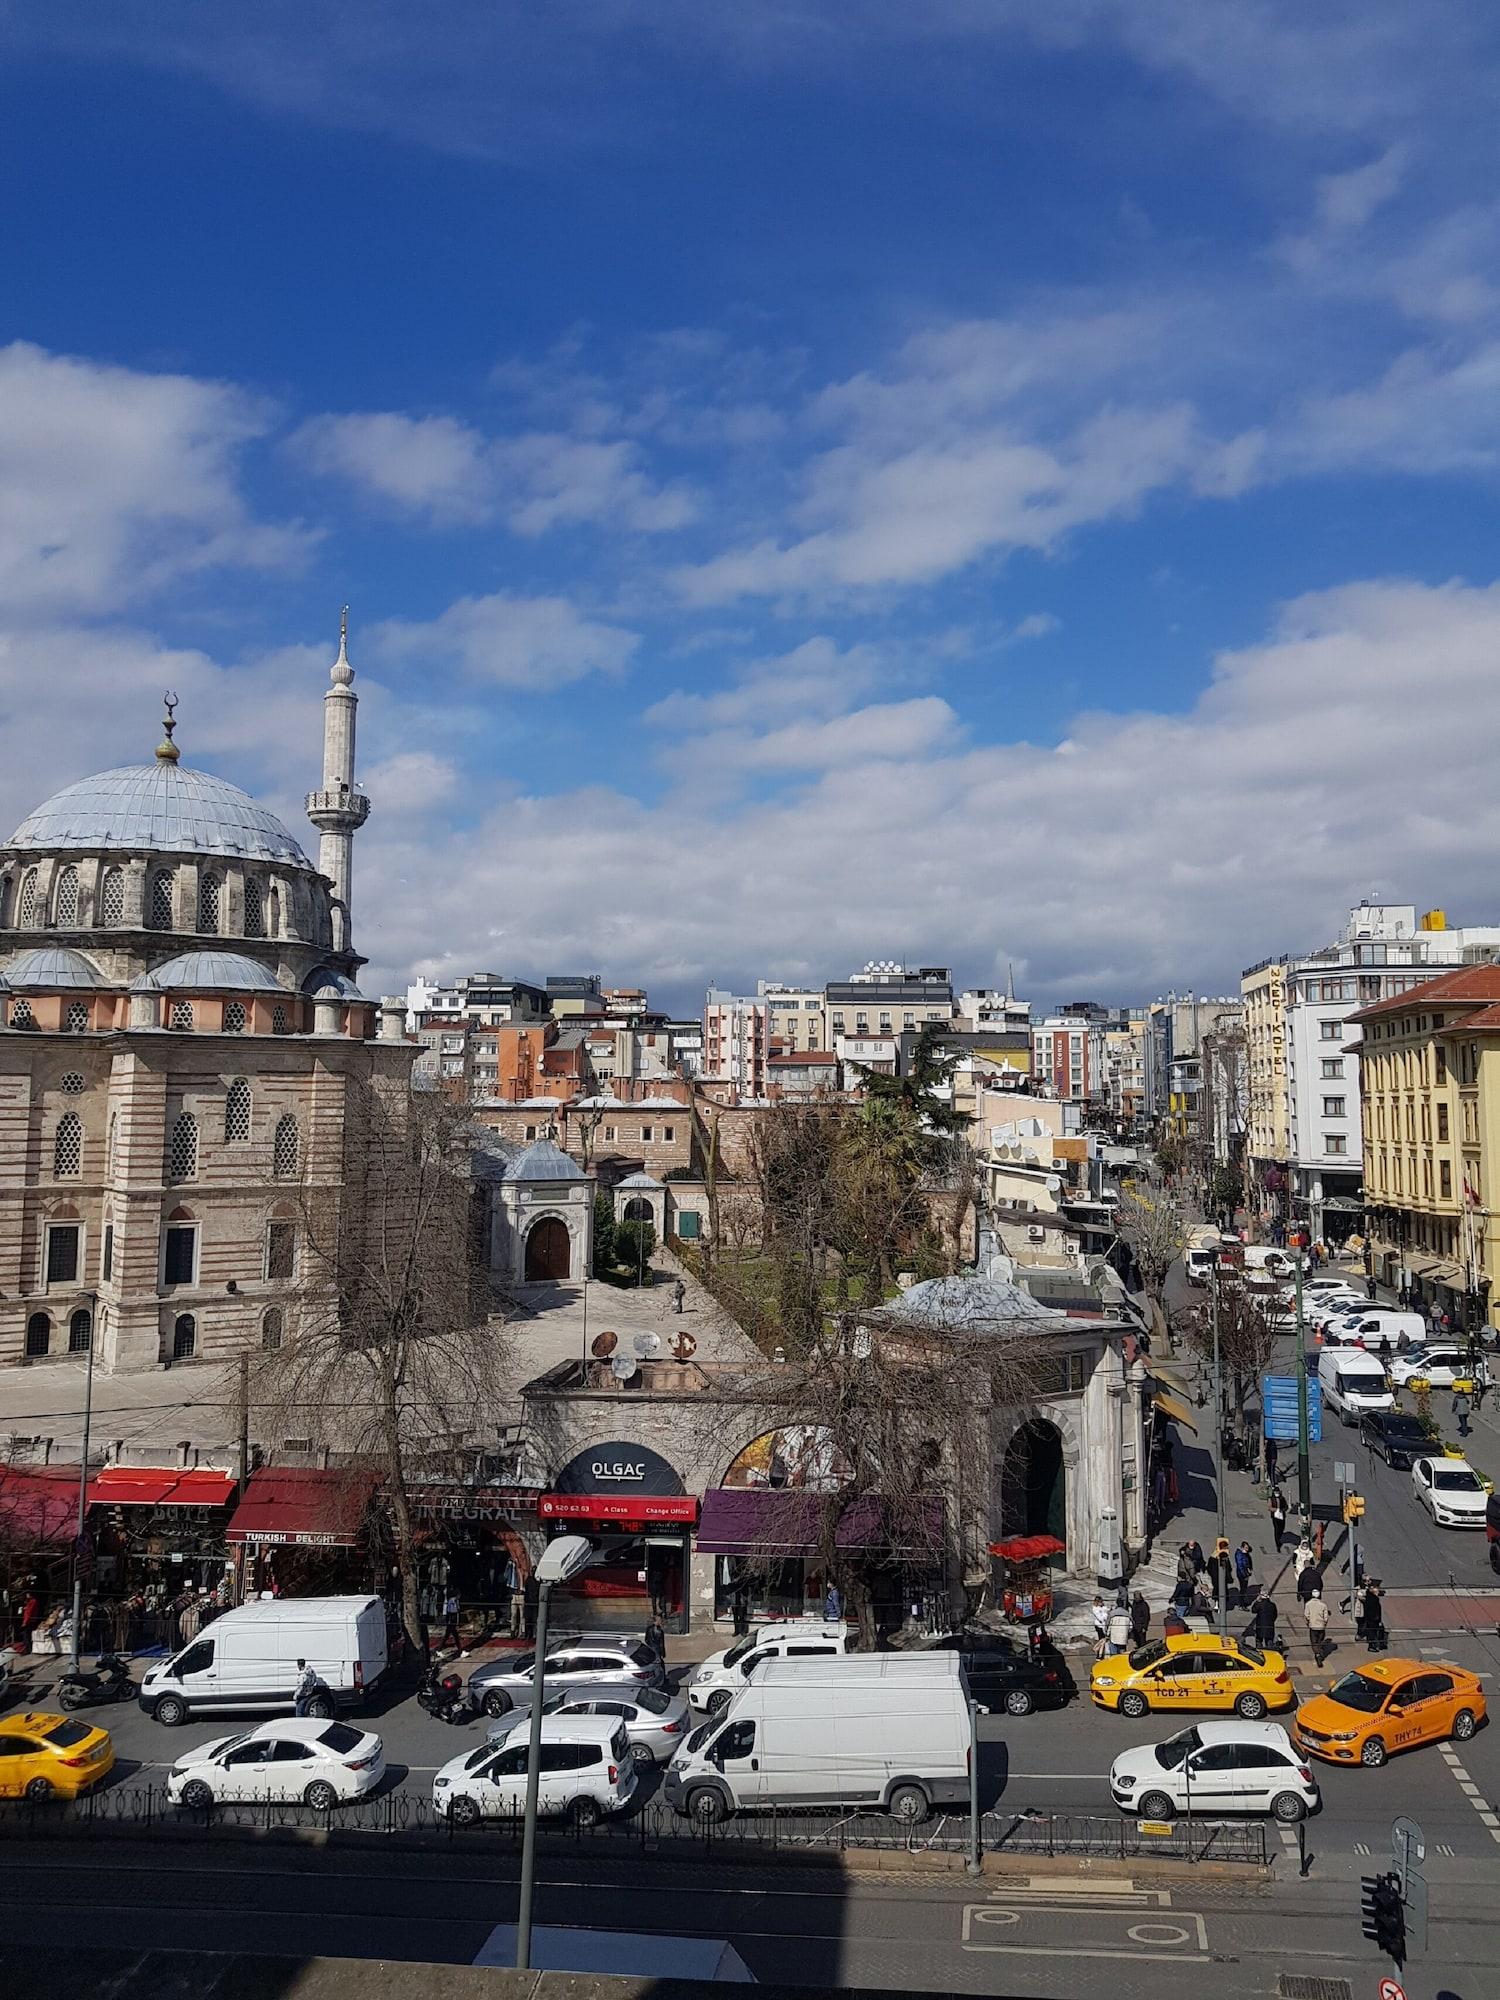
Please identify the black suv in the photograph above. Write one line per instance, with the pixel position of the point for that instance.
(1004, 1674)
(1397, 1436)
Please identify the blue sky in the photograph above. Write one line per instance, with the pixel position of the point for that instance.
(814, 482)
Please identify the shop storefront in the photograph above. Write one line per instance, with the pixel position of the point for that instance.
(308, 1531)
(38, 1524)
(766, 1547)
(467, 1537)
(631, 1503)
(157, 1534)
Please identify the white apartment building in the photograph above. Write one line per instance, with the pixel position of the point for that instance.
(736, 1041)
(795, 1016)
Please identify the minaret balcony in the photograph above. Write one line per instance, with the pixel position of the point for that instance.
(340, 810)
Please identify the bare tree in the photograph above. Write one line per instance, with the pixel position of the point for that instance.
(1154, 1224)
(390, 1357)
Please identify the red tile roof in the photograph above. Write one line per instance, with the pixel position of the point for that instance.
(1469, 985)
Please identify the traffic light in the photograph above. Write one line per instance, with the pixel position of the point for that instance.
(1384, 1915)
(1354, 1507)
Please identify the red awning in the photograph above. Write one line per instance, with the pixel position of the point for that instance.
(38, 1507)
(303, 1506)
(791, 1522)
(145, 1486)
(639, 1510)
(1028, 1548)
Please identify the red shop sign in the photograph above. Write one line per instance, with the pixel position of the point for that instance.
(630, 1507)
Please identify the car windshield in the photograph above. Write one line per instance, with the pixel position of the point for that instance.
(476, 1757)
(521, 1664)
(1400, 1426)
(1457, 1482)
(1147, 1656)
(739, 1649)
(1251, 1653)
(699, 1737)
(1357, 1691)
(340, 1738)
(1171, 1753)
(66, 1734)
(652, 1700)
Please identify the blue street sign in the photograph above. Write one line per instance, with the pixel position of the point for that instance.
(1279, 1403)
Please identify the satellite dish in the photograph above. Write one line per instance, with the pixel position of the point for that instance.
(648, 1345)
(623, 1367)
(603, 1345)
(684, 1346)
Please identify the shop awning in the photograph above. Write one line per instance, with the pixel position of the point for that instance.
(303, 1507)
(1439, 1269)
(473, 1503)
(1028, 1548)
(1175, 1381)
(145, 1486)
(619, 1510)
(38, 1507)
(756, 1521)
(1176, 1409)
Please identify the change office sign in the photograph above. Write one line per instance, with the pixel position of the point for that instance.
(1279, 1402)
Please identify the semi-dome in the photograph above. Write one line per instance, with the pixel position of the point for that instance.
(53, 967)
(325, 984)
(207, 972)
(542, 1161)
(161, 807)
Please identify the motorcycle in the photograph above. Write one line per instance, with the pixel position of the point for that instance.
(110, 1682)
(445, 1697)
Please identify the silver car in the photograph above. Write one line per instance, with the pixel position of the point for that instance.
(501, 1684)
(655, 1721)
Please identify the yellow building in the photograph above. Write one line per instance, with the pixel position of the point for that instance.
(1263, 991)
(1430, 1089)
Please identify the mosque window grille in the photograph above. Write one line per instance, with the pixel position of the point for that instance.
(273, 912)
(26, 912)
(280, 1025)
(209, 899)
(112, 899)
(160, 915)
(182, 1014)
(255, 913)
(78, 1017)
(237, 1112)
(184, 1337)
(81, 1331)
(65, 898)
(21, 1015)
(182, 1150)
(272, 1330)
(67, 1147)
(234, 1018)
(286, 1149)
(38, 1336)
(72, 1084)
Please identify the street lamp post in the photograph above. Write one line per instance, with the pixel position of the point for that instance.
(83, 1487)
(1223, 1542)
(561, 1560)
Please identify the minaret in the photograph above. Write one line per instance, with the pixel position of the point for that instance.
(338, 810)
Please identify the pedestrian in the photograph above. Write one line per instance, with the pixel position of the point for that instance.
(515, 1598)
(451, 1634)
(1461, 1411)
(1244, 1569)
(1315, 1611)
(1372, 1615)
(309, 1682)
(1308, 1580)
(1481, 1388)
(833, 1604)
(1220, 1576)
(1173, 1625)
(741, 1607)
(655, 1636)
(1196, 1556)
(1117, 1633)
(679, 1293)
(531, 1593)
(1273, 1451)
(1099, 1611)
(1262, 1626)
(1140, 1619)
(1278, 1516)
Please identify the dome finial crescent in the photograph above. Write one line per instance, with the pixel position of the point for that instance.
(341, 673)
(167, 751)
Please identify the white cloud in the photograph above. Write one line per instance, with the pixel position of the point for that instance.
(1348, 200)
(424, 464)
(512, 641)
(114, 483)
(411, 782)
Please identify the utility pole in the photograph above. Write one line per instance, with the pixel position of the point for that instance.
(83, 1487)
(1223, 1542)
(1304, 1470)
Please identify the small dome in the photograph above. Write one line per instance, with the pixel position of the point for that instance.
(967, 1300)
(209, 972)
(542, 1161)
(638, 1181)
(326, 984)
(53, 966)
(158, 808)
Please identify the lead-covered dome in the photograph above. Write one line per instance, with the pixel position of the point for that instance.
(161, 807)
(209, 972)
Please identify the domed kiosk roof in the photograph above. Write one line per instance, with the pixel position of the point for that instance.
(209, 972)
(161, 807)
(54, 968)
(542, 1161)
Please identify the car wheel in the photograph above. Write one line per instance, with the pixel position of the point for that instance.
(498, 1702)
(584, 1812)
(1018, 1702)
(197, 1797)
(644, 1756)
(1464, 1725)
(718, 1701)
(1251, 1706)
(70, 1698)
(171, 1711)
(910, 1804)
(1154, 1805)
(321, 1706)
(320, 1795)
(1495, 1557)
(464, 1811)
(1372, 1752)
(1288, 1808)
(39, 1791)
(1134, 1704)
(705, 1807)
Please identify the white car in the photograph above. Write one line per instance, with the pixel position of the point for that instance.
(295, 1760)
(587, 1770)
(1438, 1367)
(1216, 1767)
(713, 1684)
(1451, 1491)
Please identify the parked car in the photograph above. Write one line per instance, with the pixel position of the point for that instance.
(294, 1760)
(1396, 1435)
(1377, 1329)
(586, 1771)
(1216, 1767)
(1003, 1675)
(655, 1721)
(248, 1658)
(46, 1756)
(1451, 1491)
(1389, 1704)
(713, 1685)
(1438, 1367)
(1492, 1530)
(502, 1683)
(1193, 1670)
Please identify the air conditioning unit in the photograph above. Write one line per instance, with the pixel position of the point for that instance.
(1035, 1233)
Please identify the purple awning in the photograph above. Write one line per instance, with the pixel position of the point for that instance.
(761, 1521)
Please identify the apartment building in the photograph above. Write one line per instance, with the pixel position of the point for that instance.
(736, 1041)
(886, 998)
(795, 1017)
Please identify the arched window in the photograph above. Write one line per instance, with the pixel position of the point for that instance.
(273, 912)
(67, 1147)
(20, 1014)
(26, 914)
(184, 1337)
(38, 1334)
(182, 1014)
(65, 898)
(6, 886)
(182, 1151)
(234, 1019)
(112, 898)
(78, 1017)
(286, 1149)
(81, 1331)
(271, 1329)
(111, 1141)
(237, 1112)
(255, 914)
(208, 903)
(159, 912)
(279, 1023)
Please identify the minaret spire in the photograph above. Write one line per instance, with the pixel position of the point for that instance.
(338, 810)
(167, 751)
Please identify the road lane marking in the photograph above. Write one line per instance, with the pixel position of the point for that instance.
(1471, 1791)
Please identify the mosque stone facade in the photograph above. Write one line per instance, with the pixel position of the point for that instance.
(184, 1049)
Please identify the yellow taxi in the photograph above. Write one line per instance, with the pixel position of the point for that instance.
(51, 1756)
(1389, 1705)
(1194, 1670)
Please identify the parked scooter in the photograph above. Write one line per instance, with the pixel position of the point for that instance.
(445, 1696)
(109, 1682)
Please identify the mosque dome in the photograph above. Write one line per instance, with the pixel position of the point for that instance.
(208, 972)
(52, 967)
(161, 807)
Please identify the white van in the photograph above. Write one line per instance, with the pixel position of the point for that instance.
(247, 1659)
(1353, 1383)
(886, 1731)
(714, 1684)
(1199, 1263)
(1372, 1327)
